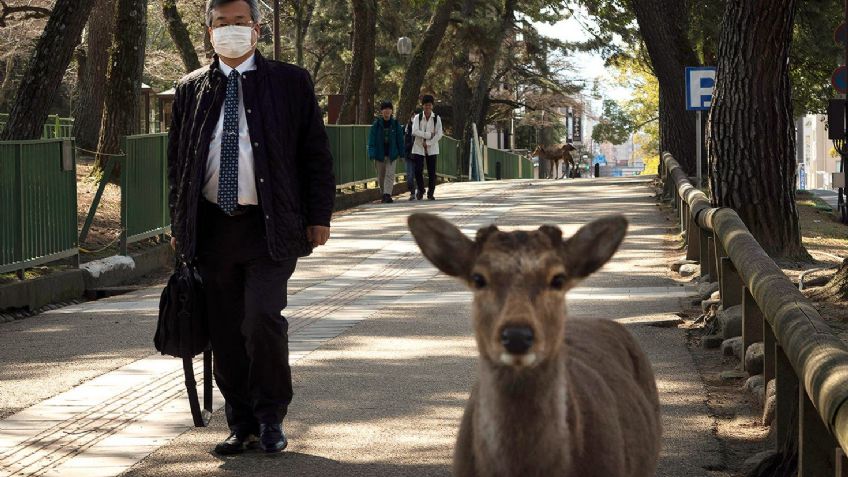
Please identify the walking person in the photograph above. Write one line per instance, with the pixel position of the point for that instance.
(427, 129)
(385, 146)
(251, 191)
(408, 141)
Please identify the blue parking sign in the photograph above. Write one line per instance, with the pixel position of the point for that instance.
(700, 82)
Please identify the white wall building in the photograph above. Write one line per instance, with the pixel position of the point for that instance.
(818, 166)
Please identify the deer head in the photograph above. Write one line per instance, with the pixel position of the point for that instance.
(519, 280)
(538, 151)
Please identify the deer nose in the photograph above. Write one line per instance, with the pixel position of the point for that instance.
(517, 339)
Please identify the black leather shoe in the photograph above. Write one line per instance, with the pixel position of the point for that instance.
(430, 197)
(411, 196)
(389, 199)
(419, 196)
(272, 438)
(235, 444)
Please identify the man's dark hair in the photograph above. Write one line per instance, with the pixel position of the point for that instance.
(386, 104)
(427, 98)
(255, 14)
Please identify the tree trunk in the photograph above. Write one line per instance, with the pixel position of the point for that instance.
(126, 66)
(89, 109)
(461, 94)
(303, 17)
(8, 78)
(836, 288)
(179, 33)
(46, 69)
(368, 86)
(359, 85)
(491, 54)
(663, 25)
(480, 100)
(751, 139)
(422, 57)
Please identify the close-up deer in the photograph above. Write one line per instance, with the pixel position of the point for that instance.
(554, 396)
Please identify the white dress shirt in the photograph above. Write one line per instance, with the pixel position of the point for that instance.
(246, 176)
(422, 129)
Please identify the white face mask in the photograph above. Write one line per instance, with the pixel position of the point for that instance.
(232, 41)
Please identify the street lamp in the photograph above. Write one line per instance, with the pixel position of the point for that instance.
(404, 46)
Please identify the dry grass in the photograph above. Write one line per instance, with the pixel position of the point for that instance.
(106, 227)
(827, 241)
(821, 232)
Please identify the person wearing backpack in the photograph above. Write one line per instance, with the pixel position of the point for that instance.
(385, 146)
(408, 141)
(427, 129)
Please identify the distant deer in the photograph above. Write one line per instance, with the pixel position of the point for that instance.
(555, 155)
(554, 396)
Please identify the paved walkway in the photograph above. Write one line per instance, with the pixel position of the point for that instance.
(829, 196)
(382, 351)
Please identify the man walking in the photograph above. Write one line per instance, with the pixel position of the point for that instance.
(385, 146)
(252, 190)
(427, 129)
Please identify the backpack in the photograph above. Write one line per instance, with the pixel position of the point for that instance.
(435, 119)
(408, 138)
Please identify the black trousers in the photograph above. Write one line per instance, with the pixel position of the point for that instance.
(431, 173)
(245, 293)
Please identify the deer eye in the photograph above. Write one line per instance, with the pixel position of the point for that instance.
(558, 281)
(478, 281)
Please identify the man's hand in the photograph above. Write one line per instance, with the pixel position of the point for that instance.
(317, 234)
(174, 243)
(432, 134)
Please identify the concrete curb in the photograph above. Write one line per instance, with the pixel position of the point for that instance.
(34, 294)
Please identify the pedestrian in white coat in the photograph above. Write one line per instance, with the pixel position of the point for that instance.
(427, 129)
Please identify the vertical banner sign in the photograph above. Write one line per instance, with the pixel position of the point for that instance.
(578, 129)
(700, 83)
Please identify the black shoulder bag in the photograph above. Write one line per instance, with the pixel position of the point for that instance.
(183, 332)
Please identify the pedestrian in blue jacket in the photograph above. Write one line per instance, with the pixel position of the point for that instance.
(385, 146)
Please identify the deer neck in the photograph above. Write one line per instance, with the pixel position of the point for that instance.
(522, 412)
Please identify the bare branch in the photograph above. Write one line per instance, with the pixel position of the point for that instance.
(28, 12)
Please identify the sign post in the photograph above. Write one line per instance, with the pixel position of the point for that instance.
(700, 82)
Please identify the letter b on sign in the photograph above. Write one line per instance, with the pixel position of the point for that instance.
(700, 83)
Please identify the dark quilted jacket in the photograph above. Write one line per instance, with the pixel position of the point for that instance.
(293, 165)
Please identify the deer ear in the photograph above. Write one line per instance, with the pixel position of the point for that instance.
(444, 245)
(593, 245)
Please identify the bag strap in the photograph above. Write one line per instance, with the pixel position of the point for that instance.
(435, 120)
(200, 417)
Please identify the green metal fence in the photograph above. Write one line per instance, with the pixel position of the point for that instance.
(448, 163)
(57, 127)
(349, 146)
(513, 166)
(144, 188)
(38, 203)
(54, 128)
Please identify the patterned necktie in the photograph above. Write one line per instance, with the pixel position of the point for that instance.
(228, 171)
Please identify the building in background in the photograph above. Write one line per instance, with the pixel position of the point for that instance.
(817, 158)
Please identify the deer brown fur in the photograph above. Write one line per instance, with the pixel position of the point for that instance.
(554, 396)
(555, 155)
